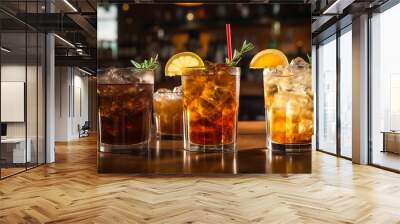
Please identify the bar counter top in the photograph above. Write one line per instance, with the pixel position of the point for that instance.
(166, 157)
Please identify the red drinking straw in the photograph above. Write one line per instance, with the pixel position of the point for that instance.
(228, 41)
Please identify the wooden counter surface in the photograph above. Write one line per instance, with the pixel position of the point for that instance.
(168, 157)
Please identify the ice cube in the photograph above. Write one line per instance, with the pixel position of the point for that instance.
(286, 84)
(280, 100)
(210, 68)
(146, 76)
(205, 108)
(177, 89)
(222, 69)
(301, 72)
(276, 72)
(108, 76)
(162, 90)
(209, 65)
(299, 63)
(222, 95)
(117, 76)
(224, 79)
(162, 94)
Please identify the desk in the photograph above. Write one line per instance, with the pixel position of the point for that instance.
(168, 157)
(13, 150)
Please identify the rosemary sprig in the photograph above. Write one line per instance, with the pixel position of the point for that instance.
(237, 55)
(309, 59)
(152, 63)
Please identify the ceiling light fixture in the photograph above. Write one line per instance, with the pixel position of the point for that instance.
(331, 7)
(65, 41)
(337, 7)
(5, 50)
(84, 71)
(70, 5)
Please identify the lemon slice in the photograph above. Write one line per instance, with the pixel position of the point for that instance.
(178, 62)
(268, 58)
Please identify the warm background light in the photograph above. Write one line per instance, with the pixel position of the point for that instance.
(188, 4)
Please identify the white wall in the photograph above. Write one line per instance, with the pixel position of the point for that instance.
(70, 84)
(61, 103)
(80, 110)
(15, 72)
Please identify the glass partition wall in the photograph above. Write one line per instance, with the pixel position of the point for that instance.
(385, 89)
(334, 94)
(22, 77)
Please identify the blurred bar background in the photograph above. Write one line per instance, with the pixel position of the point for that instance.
(139, 31)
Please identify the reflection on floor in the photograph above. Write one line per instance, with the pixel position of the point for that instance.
(386, 159)
(10, 169)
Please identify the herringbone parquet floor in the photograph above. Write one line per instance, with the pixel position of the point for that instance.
(71, 191)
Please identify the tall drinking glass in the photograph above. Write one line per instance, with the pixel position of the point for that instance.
(125, 99)
(210, 104)
(168, 113)
(289, 103)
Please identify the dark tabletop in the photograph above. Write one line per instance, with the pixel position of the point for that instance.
(168, 157)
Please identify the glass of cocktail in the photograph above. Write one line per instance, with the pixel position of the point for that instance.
(125, 97)
(289, 106)
(167, 106)
(210, 99)
(210, 104)
(289, 103)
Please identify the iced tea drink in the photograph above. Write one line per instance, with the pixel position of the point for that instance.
(168, 113)
(210, 104)
(289, 106)
(125, 99)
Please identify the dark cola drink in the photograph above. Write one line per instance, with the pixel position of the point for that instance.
(125, 109)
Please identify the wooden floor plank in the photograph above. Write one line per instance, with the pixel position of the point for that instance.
(71, 191)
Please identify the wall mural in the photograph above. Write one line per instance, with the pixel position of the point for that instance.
(195, 88)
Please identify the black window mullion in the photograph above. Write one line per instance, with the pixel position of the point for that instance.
(316, 96)
(369, 81)
(37, 90)
(338, 100)
(26, 86)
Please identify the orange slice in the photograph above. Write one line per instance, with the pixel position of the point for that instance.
(178, 62)
(269, 58)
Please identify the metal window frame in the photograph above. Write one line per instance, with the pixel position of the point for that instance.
(339, 32)
(387, 5)
(328, 39)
